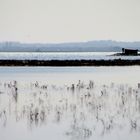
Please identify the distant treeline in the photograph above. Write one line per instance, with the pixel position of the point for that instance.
(90, 46)
(116, 62)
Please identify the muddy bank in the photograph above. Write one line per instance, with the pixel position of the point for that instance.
(123, 54)
(115, 62)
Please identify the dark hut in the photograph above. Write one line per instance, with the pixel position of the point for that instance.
(129, 51)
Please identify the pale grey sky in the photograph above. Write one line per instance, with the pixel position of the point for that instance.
(69, 20)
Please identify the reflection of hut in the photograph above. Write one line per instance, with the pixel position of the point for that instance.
(129, 51)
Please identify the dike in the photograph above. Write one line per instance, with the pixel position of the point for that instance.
(115, 62)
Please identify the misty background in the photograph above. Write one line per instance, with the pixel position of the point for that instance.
(90, 46)
(57, 21)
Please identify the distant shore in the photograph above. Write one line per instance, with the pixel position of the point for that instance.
(115, 62)
(123, 54)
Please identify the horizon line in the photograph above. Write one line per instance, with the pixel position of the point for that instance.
(68, 42)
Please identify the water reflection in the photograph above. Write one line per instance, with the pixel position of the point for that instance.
(86, 109)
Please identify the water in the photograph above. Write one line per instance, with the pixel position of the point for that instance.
(69, 103)
(62, 56)
(68, 75)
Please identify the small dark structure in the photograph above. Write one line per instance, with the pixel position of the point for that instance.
(130, 51)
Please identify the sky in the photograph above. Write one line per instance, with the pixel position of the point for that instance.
(69, 20)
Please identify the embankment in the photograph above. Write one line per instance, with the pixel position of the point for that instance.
(115, 62)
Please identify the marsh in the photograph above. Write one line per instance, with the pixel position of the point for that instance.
(75, 103)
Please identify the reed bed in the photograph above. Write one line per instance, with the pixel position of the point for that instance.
(86, 109)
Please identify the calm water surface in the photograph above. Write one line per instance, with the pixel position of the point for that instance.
(63, 56)
(69, 103)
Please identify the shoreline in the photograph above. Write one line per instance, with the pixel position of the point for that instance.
(115, 62)
(123, 54)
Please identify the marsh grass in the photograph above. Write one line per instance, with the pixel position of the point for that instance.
(86, 108)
